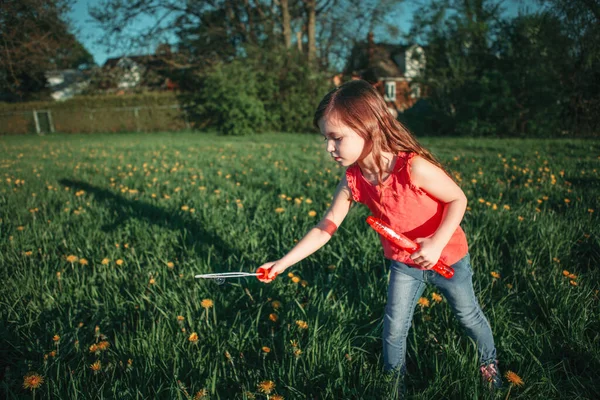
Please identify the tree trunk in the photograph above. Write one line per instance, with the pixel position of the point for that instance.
(287, 29)
(311, 14)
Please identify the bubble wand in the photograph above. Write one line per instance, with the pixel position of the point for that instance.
(261, 274)
(406, 244)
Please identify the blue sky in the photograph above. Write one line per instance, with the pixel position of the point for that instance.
(88, 33)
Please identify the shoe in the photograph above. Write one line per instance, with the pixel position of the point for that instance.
(491, 375)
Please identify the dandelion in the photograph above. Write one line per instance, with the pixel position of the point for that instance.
(193, 337)
(513, 378)
(276, 397)
(273, 317)
(180, 318)
(266, 349)
(105, 261)
(103, 345)
(573, 283)
(423, 302)
(297, 353)
(302, 324)
(266, 387)
(520, 218)
(276, 304)
(207, 303)
(572, 276)
(290, 275)
(83, 261)
(185, 208)
(152, 281)
(506, 207)
(295, 279)
(565, 272)
(495, 275)
(312, 213)
(200, 394)
(96, 366)
(436, 297)
(94, 348)
(119, 262)
(72, 259)
(56, 338)
(279, 210)
(170, 265)
(33, 381)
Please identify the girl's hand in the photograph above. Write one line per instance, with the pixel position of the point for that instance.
(271, 270)
(428, 254)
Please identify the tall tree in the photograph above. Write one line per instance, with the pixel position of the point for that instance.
(35, 37)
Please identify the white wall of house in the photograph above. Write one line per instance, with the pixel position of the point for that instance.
(415, 61)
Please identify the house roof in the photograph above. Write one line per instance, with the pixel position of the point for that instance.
(386, 60)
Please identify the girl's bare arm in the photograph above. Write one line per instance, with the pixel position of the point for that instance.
(318, 236)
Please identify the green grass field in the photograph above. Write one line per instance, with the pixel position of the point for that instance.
(100, 238)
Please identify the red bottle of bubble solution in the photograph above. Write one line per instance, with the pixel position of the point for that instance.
(406, 244)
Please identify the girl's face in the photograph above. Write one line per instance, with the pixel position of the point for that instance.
(343, 144)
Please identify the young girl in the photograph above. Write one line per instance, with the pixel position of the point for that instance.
(403, 185)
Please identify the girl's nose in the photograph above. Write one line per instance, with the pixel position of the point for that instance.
(330, 146)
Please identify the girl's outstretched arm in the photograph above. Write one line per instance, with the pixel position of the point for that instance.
(318, 236)
(435, 182)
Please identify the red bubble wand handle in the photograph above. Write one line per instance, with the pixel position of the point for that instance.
(406, 244)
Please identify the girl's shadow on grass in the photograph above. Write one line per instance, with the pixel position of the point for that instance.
(200, 239)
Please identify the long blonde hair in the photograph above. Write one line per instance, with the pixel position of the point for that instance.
(358, 105)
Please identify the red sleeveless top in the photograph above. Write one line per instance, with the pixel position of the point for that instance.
(406, 208)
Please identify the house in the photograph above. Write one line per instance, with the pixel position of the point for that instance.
(391, 68)
(154, 71)
(66, 83)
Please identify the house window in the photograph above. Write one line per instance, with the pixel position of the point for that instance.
(390, 91)
(415, 92)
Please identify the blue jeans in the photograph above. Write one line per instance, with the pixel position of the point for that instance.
(406, 287)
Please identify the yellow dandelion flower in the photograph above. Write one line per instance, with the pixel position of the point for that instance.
(33, 381)
(520, 218)
(103, 345)
(170, 264)
(266, 349)
(273, 317)
(83, 261)
(308, 201)
(514, 378)
(481, 200)
(96, 366)
(572, 276)
(295, 279)
(290, 274)
(200, 394)
(72, 259)
(297, 353)
(567, 201)
(423, 302)
(119, 262)
(276, 304)
(20, 228)
(207, 303)
(312, 213)
(180, 318)
(94, 348)
(565, 272)
(495, 275)
(266, 387)
(105, 261)
(573, 283)
(279, 210)
(436, 297)
(193, 337)
(506, 207)
(185, 208)
(276, 397)
(302, 324)
(152, 281)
